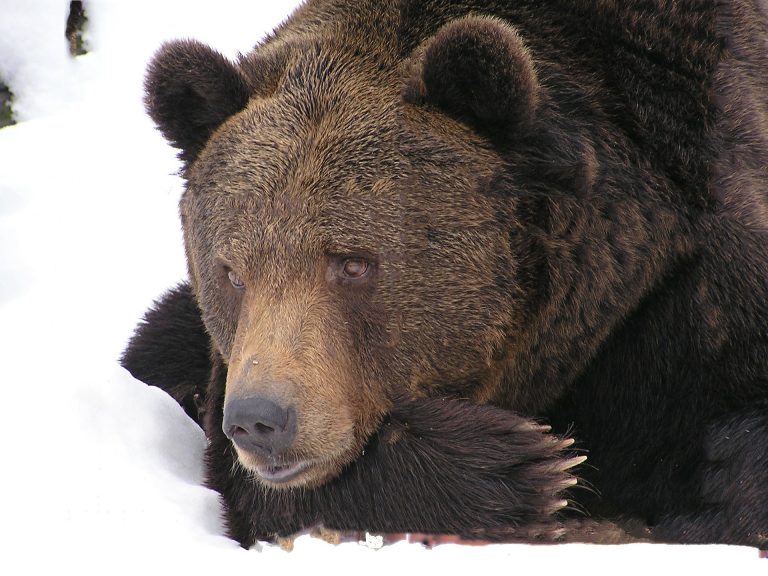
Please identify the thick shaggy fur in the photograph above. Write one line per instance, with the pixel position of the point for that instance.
(564, 209)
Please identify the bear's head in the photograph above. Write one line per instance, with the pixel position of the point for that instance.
(361, 223)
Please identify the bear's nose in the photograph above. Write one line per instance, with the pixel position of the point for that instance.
(259, 425)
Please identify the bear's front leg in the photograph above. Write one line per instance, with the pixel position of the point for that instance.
(170, 349)
(435, 467)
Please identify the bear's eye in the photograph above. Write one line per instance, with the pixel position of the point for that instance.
(355, 268)
(235, 279)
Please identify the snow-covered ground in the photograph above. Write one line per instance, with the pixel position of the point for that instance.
(100, 473)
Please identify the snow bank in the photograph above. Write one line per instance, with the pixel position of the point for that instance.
(102, 473)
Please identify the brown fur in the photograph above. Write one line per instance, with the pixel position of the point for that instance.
(563, 204)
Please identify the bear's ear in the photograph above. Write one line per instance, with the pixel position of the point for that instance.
(190, 90)
(478, 70)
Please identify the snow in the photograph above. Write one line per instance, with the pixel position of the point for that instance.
(103, 474)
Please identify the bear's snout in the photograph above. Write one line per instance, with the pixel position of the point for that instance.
(259, 425)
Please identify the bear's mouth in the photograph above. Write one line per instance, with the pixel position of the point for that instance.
(283, 472)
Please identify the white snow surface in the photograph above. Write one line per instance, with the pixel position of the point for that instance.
(101, 473)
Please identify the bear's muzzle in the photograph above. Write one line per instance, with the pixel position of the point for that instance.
(259, 425)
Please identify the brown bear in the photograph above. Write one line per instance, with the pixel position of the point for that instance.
(417, 229)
